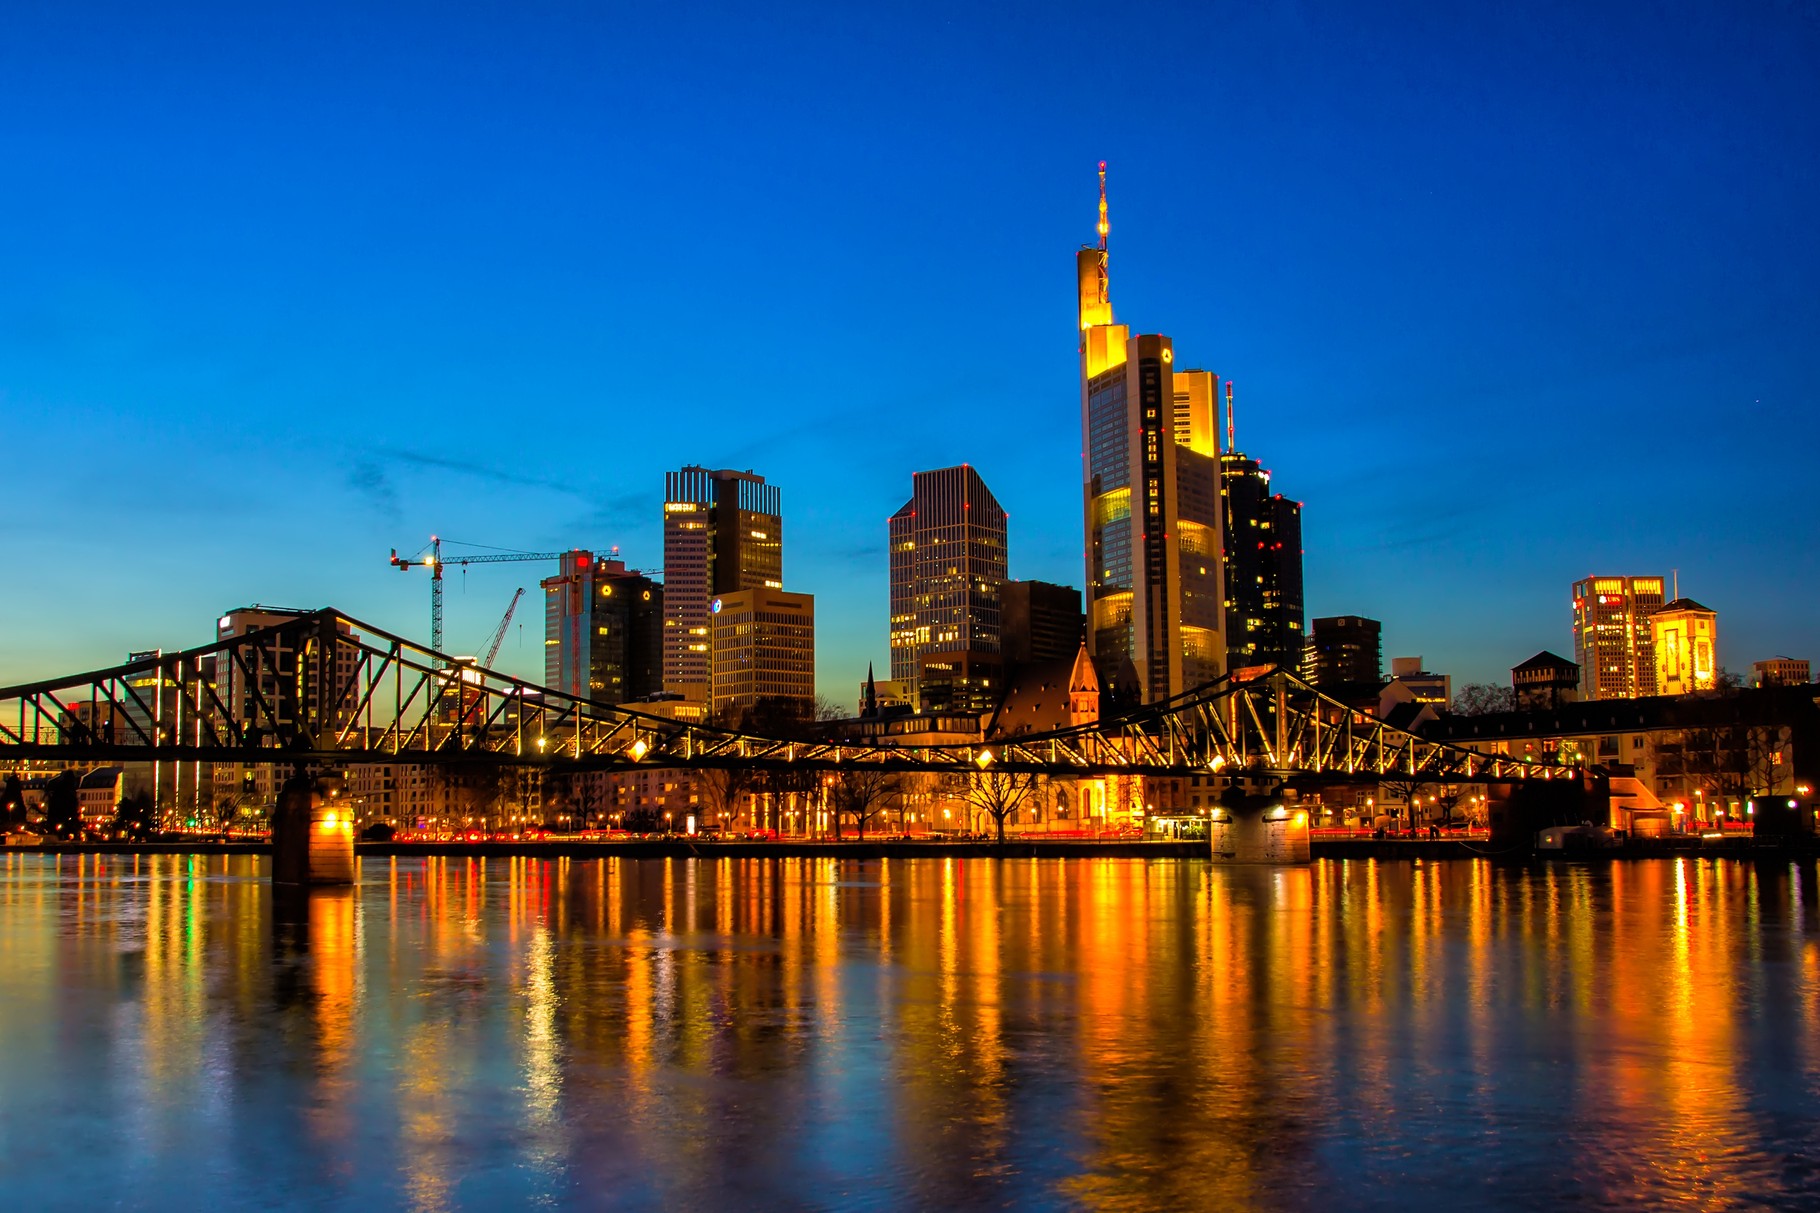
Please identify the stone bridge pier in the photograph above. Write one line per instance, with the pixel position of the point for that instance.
(1259, 822)
(312, 834)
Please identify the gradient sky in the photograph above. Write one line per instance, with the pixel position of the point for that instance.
(1511, 295)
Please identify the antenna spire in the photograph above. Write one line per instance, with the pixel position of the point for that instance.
(1232, 443)
(1105, 227)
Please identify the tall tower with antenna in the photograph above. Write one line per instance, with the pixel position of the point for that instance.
(1150, 497)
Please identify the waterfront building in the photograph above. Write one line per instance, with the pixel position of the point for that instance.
(723, 532)
(1039, 621)
(1263, 567)
(603, 630)
(1545, 681)
(1685, 638)
(1780, 672)
(763, 646)
(1345, 649)
(1706, 758)
(1612, 642)
(948, 563)
(1154, 601)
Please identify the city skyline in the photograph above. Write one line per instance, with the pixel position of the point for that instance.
(171, 315)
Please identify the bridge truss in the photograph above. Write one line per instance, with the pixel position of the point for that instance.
(321, 689)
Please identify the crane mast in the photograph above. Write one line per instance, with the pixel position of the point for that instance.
(430, 557)
(499, 633)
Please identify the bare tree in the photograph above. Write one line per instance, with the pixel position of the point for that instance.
(1408, 789)
(1000, 794)
(862, 793)
(1483, 699)
(726, 788)
(1448, 798)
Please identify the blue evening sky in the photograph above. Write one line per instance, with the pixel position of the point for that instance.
(1511, 294)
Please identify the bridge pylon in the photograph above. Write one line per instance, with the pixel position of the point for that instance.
(1261, 822)
(312, 834)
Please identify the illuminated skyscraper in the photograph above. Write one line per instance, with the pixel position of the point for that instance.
(1152, 498)
(763, 645)
(723, 532)
(947, 569)
(1263, 533)
(603, 625)
(1612, 641)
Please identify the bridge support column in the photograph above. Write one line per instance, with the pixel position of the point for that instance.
(1259, 828)
(312, 835)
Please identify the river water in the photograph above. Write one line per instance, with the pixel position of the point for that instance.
(915, 1034)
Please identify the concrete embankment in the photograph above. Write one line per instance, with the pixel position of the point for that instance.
(1736, 847)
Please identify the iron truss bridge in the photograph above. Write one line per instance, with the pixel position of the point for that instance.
(320, 689)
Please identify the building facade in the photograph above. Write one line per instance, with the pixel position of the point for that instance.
(603, 630)
(1154, 600)
(276, 698)
(1039, 621)
(723, 532)
(948, 564)
(1345, 649)
(763, 646)
(1780, 672)
(1612, 643)
(1263, 544)
(1544, 681)
(1685, 639)
(1424, 686)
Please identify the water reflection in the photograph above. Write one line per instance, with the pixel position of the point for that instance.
(813, 1033)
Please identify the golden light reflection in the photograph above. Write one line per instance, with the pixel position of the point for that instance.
(1162, 1033)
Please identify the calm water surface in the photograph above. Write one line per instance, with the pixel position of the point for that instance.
(805, 1034)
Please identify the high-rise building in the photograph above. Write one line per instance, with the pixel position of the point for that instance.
(276, 697)
(763, 646)
(723, 532)
(1345, 650)
(1039, 621)
(1152, 501)
(947, 567)
(603, 630)
(1685, 637)
(1263, 533)
(1612, 642)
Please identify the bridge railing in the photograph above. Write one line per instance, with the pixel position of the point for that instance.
(323, 687)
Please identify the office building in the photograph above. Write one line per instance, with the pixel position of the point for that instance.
(1345, 650)
(763, 647)
(1780, 672)
(1152, 502)
(603, 630)
(1423, 686)
(1263, 573)
(276, 699)
(723, 532)
(1685, 637)
(947, 567)
(1612, 642)
(1039, 621)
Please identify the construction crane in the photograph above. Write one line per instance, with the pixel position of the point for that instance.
(430, 557)
(500, 634)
